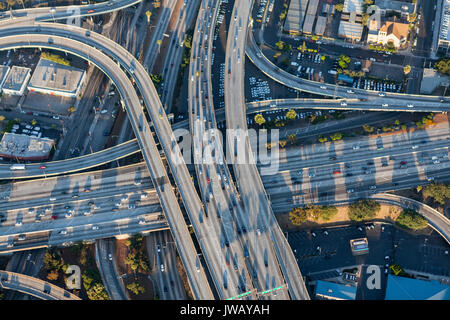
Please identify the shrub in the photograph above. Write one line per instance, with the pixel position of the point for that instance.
(363, 210)
(410, 219)
(298, 216)
(438, 192)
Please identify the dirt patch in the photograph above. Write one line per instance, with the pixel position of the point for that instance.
(387, 212)
(144, 281)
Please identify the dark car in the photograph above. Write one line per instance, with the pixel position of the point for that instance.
(332, 158)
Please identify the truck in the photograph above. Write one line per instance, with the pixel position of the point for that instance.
(17, 167)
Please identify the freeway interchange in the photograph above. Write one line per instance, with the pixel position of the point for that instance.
(234, 226)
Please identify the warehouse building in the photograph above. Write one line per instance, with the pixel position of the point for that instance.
(56, 79)
(3, 74)
(402, 288)
(23, 147)
(320, 25)
(312, 7)
(334, 291)
(16, 81)
(295, 16)
(308, 24)
(350, 30)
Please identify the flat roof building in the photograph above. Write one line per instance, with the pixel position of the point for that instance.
(24, 147)
(312, 7)
(443, 44)
(353, 6)
(402, 288)
(403, 8)
(350, 30)
(308, 24)
(16, 81)
(294, 19)
(3, 74)
(56, 79)
(334, 291)
(320, 25)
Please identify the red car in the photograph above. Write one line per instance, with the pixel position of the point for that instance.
(336, 171)
(208, 180)
(54, 217)
(90, 11)
(43, 167)
(403, 163)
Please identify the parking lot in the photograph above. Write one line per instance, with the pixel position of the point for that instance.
(323, 256)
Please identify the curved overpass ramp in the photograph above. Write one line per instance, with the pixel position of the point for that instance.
(61, 37)
(33, 286)
(267, 67)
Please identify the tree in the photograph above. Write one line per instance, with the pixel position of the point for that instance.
(292, 138)
(52, 261)
(298, 215)
(410, 219)
(33, 122)
(277, 54)
(322, 139)
(283, 143)
(407, 69)
(368, 128)
(397, 122)
(438, 192)
(53, 275)
(343, 61)
(339, 7)
(259, 119)
(280, 45)
(71, 109)
(136, 288)
(443, 66)
(291, 114)
(365, 19)
(97, 292)
(336, 136)
(412, 17)
(363, 210)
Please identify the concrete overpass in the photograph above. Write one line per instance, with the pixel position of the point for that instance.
(34, 287)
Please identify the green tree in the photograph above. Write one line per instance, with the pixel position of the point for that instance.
(339, 7)
(443, 66)
(407, 69)
(33, 122)
(336, 136)
(97, 292)
(322, 139)
(298, 215)
(52, 260)
(259, 119)
(412, 17)
(363, 210)
(368, 128)
(280, 45)
(410, 219)
(438, 192)
(291, 114)
(292, 138)
(136, 288)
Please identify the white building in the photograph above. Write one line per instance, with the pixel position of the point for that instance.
(56, 79)
(16, 81)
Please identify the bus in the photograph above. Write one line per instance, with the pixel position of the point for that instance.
(359, 246)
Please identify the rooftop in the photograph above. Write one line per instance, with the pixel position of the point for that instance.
(3, 74)
(24, 146)
(296, 13)
(353, 6)
(400, 30)
(16, 77)
(350, 30)
(402, 288)
(444, 32)
(401, 6)
(331, 290)
(54, 76)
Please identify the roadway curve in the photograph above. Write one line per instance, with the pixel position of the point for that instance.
(34, 287)
(61, 37)
(267, 67)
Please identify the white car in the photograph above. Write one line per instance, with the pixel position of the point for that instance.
(343, 103)
(95, 227)
(410, 106)
(385, 105)
(323, 87)
(350, 91)
(63, 232)
(355, 147)
(381, 94)
(110, 257)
